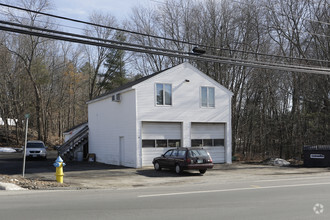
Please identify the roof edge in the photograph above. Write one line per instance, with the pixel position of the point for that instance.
(126, 87)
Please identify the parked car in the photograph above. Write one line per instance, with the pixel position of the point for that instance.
(36, 149)
(184, 159)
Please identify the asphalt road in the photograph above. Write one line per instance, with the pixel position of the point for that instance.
(12, 163)
(290, 198)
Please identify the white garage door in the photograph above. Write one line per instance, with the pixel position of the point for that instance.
(161, 130)
(210, 136)
(157, 138)
(207, 131)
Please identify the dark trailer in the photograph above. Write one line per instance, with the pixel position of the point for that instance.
(317, 156)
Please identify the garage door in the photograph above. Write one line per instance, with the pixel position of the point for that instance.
(161, 130)
(157, 138)
(207, 131)
(210, 136)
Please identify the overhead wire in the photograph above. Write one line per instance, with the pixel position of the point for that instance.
(143, 46)
(158, 51)
(158, 37)
(48, 22)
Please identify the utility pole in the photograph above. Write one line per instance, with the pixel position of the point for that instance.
(27, 116)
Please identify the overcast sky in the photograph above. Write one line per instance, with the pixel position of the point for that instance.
(81, 9)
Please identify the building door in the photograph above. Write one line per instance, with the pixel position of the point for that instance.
(211, 136)
(161, 131)
(157, 137)
(121, 151)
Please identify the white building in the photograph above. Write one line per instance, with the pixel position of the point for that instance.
(10, 122)
(180, 106)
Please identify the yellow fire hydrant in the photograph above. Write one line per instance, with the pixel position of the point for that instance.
(59, 169)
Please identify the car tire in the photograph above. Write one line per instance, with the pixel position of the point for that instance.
(178, 169)
(202, 171)
(157, 166)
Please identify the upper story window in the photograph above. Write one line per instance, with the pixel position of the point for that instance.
(163, 94)
(207, 96)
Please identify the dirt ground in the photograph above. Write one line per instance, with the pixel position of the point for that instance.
(31, 183)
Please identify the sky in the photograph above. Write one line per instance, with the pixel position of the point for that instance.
(81, 9)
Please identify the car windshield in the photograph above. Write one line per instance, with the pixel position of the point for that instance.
(196, 153)
(35, 145)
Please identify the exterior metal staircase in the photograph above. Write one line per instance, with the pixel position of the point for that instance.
(76, 143)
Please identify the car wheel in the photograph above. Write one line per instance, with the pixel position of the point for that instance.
(178, 169)
(157, 166)
(202, 171)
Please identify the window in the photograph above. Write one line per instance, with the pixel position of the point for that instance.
(181, 154)
(163, 94)
(161, 143)
(35, 145)
(174, 143)
(207, 142)
(116, 98)
(175, 153)
(196, 153)
(207, 97)
(148, 143)
(197, 143)
(168, 153)
(219, 142)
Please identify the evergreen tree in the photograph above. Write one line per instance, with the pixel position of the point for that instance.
(115, 73)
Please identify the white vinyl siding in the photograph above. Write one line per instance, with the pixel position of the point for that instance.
(108, 120)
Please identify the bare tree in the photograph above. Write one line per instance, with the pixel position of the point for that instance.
(96, 56)
(30, 50)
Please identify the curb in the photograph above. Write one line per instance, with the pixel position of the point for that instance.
(10, 186)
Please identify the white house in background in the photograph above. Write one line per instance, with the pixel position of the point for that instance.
(180, 106)
(10, 122)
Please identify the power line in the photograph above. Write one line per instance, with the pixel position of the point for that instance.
(87, 37)
(90, 23)
(169, 54)
(321, 22)
(157, 37)
(149, 47)
(47, 22)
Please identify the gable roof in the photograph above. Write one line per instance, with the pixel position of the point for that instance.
(135, 82)
(210, 79)
(126, 86)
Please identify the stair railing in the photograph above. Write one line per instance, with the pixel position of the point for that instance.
(83, 133)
